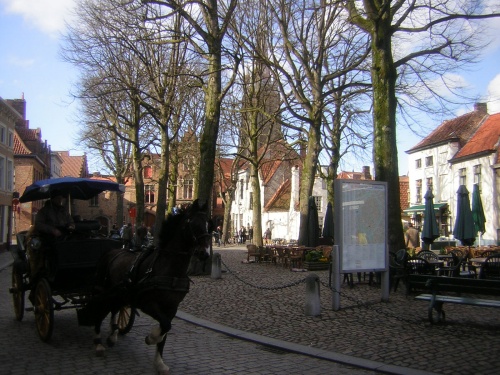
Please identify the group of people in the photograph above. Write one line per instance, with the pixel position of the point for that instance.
(141, 239)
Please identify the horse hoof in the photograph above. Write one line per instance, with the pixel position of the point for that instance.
(99, 351)
(110, 343)
(164, 372)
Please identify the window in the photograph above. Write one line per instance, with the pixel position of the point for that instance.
(2, 172)
(149, 193)
(462, 176)
(317, 201)
(418, 191)
(11, 140)
(429, 183)
(241, 189)
(251, 201)
(429, 161)
(2, 135)
(418, 163)
(94, 202)
(477, 175)
(188, 189)
(148, 172)
(10, 175)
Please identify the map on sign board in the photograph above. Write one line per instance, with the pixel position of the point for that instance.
(361, 224)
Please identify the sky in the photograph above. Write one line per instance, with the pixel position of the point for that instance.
(30, 66)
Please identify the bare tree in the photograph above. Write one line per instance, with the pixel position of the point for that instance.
(442, 37)
(302, 37)
(209, 20)
(100, 133)
(98, 47)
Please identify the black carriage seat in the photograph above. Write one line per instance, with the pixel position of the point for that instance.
(87, 227)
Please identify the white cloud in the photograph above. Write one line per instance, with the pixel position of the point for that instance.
(494, 95)
(23, 63)
(46, 15)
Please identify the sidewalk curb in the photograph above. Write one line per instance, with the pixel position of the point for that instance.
(301, 349)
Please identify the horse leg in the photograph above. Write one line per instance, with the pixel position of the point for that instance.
(158, 336)
(113, 325)
(99, 348)
(160, 366)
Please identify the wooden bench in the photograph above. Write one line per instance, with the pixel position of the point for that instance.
(437, 285)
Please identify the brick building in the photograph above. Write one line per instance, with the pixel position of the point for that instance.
(8, 119)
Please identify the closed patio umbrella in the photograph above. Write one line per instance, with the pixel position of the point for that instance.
(311, 234)
(430, 230)
(477, 211)
(328, 222)
(464, 222)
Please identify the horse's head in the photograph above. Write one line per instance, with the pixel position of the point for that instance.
(199, 228)
(192, 227)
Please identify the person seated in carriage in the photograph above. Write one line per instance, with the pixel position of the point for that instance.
(142, 239)
(52, 221)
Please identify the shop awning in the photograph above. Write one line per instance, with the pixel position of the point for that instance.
(421, 208)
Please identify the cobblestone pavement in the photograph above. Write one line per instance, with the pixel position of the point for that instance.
(269, 300)
(190, 349)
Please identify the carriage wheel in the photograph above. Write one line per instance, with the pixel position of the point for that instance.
(44, 310)
(18, 292)
(126, 318)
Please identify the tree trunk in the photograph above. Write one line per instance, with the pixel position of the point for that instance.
(211, 129)
(385, 153)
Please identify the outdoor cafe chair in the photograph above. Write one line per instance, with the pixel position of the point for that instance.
(282, 256)
(427, 255)
(419, 266)
(253, 252)
(491, 268)
(268, 254)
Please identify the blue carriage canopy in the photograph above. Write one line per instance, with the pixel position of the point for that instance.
(75, 188)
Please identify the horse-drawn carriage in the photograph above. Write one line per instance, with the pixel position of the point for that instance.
(66, 277)
(97, 277)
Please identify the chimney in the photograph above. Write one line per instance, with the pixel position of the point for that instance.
(481, 107)
(366, 173)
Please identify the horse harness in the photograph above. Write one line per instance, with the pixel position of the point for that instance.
(151, 282)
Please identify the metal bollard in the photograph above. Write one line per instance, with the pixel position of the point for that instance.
(313, 305)
(216, 266)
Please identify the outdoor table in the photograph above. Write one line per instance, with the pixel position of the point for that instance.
(478, 261)
(446, 258)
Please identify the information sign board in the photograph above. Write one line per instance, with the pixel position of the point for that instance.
(361, 225)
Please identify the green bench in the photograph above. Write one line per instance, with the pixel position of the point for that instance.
(437, 285)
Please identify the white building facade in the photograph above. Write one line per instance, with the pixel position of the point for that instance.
(462, 151)
(284, 222)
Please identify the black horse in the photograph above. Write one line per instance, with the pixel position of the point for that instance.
(154, 281)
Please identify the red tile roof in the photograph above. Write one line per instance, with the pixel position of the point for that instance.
(458, 129)
(73, 166)
(29, 134)
(19, 147)
(484, 141)
(281, 198)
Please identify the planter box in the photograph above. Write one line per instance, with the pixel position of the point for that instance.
(315, 266)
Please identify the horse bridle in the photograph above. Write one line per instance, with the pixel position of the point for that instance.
(196, 239)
